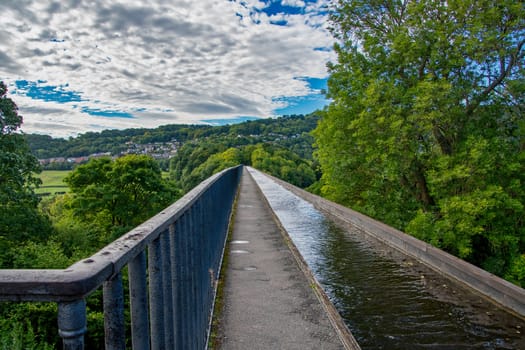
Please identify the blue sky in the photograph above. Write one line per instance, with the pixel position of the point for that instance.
(74, 67)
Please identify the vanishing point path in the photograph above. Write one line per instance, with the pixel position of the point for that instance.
(269, 303)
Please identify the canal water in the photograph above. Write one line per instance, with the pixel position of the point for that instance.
(388, 300)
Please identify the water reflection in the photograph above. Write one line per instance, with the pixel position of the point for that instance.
(389, 301)
(395, 306)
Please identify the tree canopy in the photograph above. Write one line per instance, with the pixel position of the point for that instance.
(119, 194)
(426, 130)
(19, 217)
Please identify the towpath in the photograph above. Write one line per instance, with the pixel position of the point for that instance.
(268, 301)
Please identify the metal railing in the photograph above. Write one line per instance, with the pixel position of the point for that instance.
(173, 263)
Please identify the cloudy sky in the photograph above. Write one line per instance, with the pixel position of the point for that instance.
(87, 65)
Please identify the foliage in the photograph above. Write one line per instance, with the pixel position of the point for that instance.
(189, 157)
(213, 164)
(284, 130)
(266, 157)
(120, 194)
(19, 335)
(19, 218)
(285, 141)
(48, 255)
(426, 128)
(516, 273)
(283, 164)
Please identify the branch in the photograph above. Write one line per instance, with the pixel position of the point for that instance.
(514, 58)
(421, 70)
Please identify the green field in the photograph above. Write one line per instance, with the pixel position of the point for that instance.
(52, 182)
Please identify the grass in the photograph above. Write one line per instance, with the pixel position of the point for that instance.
(216, 332)
(52, 182)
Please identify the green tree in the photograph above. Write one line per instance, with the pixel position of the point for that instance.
(215, 163)
(19, 217)
(120, 194)
(426, 129)
(21, 224)
(283, 164)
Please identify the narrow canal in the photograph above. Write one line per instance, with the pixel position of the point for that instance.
(388, 300)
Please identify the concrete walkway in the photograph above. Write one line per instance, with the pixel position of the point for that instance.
(268, 302)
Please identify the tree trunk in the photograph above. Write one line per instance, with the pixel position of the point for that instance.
(423, 193)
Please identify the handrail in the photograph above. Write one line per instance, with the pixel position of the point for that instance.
(184, 245)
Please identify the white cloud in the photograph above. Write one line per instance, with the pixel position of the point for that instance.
(196, 59)
(294, 3)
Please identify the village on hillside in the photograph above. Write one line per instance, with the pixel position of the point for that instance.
(157, 150)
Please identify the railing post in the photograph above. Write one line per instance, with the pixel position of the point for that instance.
(114, 327)
(156, 295)
(192, 275)
(72, 324)
(185, 282)
(179, 304)
(174, 285)
(200, 303)
(139, 302)
(209, 242)
(167, 290)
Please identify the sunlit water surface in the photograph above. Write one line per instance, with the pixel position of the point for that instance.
(389, 301)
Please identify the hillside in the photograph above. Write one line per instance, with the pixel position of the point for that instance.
(288, 131)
